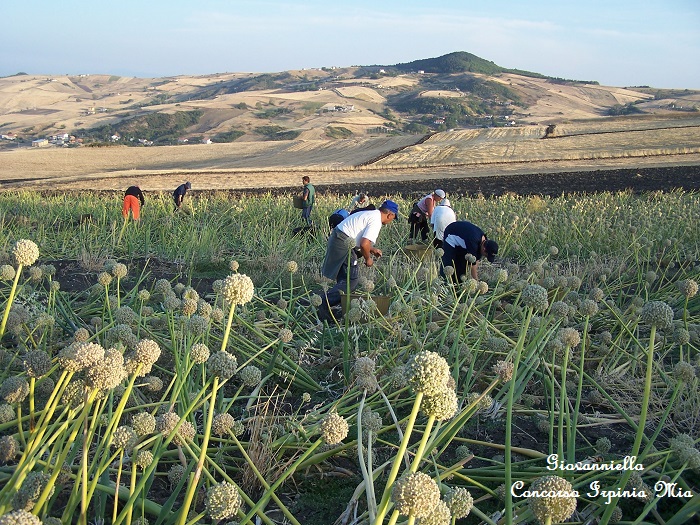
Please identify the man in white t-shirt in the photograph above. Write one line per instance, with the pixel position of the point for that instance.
(443, 215)
(353, 238)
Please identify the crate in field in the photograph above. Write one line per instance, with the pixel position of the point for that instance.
(382, 301)
(417, 251)
(298, 202)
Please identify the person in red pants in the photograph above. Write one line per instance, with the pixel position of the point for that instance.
(133, 200)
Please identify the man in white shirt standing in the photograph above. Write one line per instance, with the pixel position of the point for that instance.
(443, 215)
(353, 238)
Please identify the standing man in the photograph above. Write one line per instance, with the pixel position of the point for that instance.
(443, 215)
(133, 200)
(357, 233)
(179, 194)
(308, 195)
(421, 213)
(464, 239)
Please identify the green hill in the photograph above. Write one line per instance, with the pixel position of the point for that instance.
(459, 62)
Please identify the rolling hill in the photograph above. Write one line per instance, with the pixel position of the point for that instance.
(458, 90)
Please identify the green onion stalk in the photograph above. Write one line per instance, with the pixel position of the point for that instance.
(196, 474)
(11, 298)
(26, 462)
(77, 425)
(369, 480)
(384, 503)
(150, 468)
(571, 436)
(563, 404)
(509, 414)
(642, 420)
(116, 484)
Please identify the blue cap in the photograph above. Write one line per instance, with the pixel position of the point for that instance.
(390, 206)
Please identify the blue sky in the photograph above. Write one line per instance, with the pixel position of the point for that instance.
(616, 42)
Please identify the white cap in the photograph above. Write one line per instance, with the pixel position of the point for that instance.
(445, 202)
(440, 193)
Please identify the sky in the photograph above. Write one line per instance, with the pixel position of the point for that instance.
(614, 42)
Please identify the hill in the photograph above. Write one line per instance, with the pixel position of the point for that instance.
(458, 62)
(457, 90)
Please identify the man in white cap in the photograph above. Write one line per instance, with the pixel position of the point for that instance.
(421, 213)
(443, 215)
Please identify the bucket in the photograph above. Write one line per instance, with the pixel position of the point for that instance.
(298, 202)
(382, 301)
(417, 251)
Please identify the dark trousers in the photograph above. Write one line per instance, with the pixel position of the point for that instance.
(306, 215)
(419, 223)
(332, 296)
(454, 256)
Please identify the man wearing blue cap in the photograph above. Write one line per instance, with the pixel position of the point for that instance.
(357, 233)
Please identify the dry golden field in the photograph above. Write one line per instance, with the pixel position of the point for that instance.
(275, 164)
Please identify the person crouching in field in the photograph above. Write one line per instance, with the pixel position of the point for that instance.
(133, 200)
(179, 194)
(359, 203)
(465, 243)
(422, 212)
(357, 233)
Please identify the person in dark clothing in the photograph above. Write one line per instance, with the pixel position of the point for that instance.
(133, 200)
(337, 217)
(340, 215)
(463, 239)
(308, 195)
(179, 194)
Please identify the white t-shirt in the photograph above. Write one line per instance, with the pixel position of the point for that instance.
(362, 224)
(442, 217)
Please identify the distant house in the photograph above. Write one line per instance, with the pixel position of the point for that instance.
(183, 140)
(206, 140)
(115, 137)
(40, 143)
(8, 136)
(338, 107)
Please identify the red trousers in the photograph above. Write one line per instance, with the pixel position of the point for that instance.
(131, 203)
